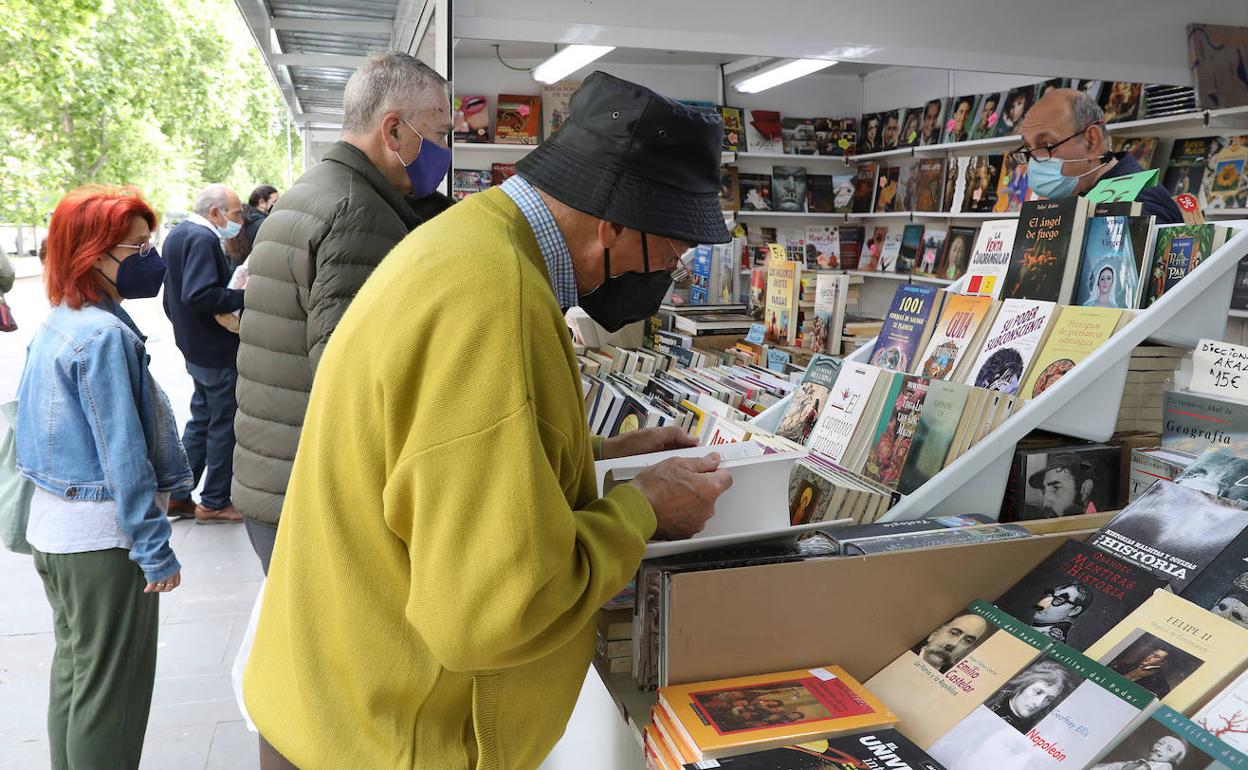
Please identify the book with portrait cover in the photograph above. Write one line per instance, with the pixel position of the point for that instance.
(555, 110)
(1078, 594)
(961, 117)
(853, 406)
(1174, 548)
(797, 136)
(887, 188)
(1114, 251)
(781, 307)
(788, 188)
(519, 119)
(1171, 741)
(763, 132)
(831, 296)
(1142, 148)
(958, 246)
(826, 243)
(755, 191)
(869, 258)
(935, 684)
(1061, 711)
(1010, 346)
(1185, 170)
(963, 323)
(933, 434)
(929, 255)
(1050, 481)
(987, 116)
(1177, 251)
(894, 431)
(1195, 422)
(911, 247)
(1076, 333)
(982, 177)
(1045, 260)
(929, 184)
(990, 259)
(1226, 715)
(1177, 651)
(876, 749)
(864, 187)
(908, 325)
(472, 119)
(725, 717)
(733, 130)
(1017, 102)
(809, 399)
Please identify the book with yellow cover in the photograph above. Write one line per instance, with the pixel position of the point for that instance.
(665, 731)
(1075, 334)
(752, 713)
(934, 685)
(959, 333)
(1174, 649)
(783, 282)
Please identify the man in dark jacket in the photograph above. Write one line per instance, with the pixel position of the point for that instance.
(259, 204)
(196, 291)
(318, 246)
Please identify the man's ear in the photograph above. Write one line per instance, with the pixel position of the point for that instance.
(390, 130)
(1095, 134)
(1086, 490)
(1076, 612)
(608, 233)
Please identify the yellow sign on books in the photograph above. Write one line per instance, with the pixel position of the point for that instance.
(777, 252)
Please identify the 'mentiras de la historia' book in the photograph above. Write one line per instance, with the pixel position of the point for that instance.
(877, 749)
(1171, 741)
(1061, 711)
(1175, 650)
(938, 682)
(1078, 594)
(1172, 531)
(1045, 261)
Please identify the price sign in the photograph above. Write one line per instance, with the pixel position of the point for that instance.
(757, 333)
(1190, 208)
(778, 359)
(776, 252)
(1122, 188)
(1220, 369)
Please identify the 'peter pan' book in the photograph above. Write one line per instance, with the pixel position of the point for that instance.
(959, 333)
(877, 749)
(907, 326)
(519, 119)
(1010, 346)
(933, 434)
(1045, 260)
(1078, 593)
(854, 404)
(935, 684)
(1171, 741)
(894, 432)
(752, 713)
(1175, 650)
(1226, 716)
(1177, 251)
(1075, 334)
(990, 259)
(810, 398)
(1174, 548)
(781, 309)
(1061, 711)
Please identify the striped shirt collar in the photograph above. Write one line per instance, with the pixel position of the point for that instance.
(549, 238)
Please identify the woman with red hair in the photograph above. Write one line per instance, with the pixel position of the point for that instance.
(96, 435)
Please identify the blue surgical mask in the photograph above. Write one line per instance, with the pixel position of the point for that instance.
(429, 166)
(1047, 179)
(230, 230)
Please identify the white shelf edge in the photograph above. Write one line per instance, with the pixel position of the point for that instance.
(880, 275)
(1237, 313)
(495, 147)
(899, 152)
(881, 215)
(740, 156)
(789, 215)
(931, 279)
(1228, 213)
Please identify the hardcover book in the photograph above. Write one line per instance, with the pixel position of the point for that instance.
(1226, 716)
(751, 713)
(555, 110)
(797, 136)
(962, 325)
(519, 119)
(734, 139)
(954, 194)
(875, 749)
(1017, 102)
(763, 132)
(933, 247)
(830, 299)
(1049, 482)
(1178, 250)
(1013, 188)
(472, 119)
(910, 126)
(911, 247)
(501, 172)
(755, 191)
(781, 309)
(907, 327)
(869, 137)
(1114, 248)
(932, 122)
(890, 253)
(1194, 423)
(1174, 548)
(1175, 650)
(1121, 101)
(990, 259)
(1045, 259)
(935, 684)
(1169, 740)
(788, 188)
(1185, 170)
(809, 399)
(929, 184)
(1218, 472)
(869, 259)
(1078, 594)
(890, 129)
(820, 193)
(894, 432)
(852, 406)
(864, 187)
(886, 189)
(1010, 346)
(934, 433)
(729, 189)
(1076, 333)
(958, 245)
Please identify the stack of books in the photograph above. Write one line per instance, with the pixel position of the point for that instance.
(613, 646)
(1149, 376)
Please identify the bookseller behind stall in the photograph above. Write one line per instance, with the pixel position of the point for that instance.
(1067, 152)
(443, 547)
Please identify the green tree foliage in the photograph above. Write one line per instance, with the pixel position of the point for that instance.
(167, 95)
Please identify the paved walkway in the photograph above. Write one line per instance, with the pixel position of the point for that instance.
(195, 724)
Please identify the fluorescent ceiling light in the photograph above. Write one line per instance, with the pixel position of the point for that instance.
(781, 73)
(567, 61)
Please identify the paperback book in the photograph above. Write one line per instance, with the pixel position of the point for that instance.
(894, 432)
(887, 186)
(907, 326)
(1178, 250)
(797, 136)
(1194, 423)
(852, 407)
(934, 433)
(1013, 188)
(788, 188)
(1114, 248)
(864, 187)
(733, 129)
(1017, 333)
(964, 320)
(763, 132)
(1185, 170)
(1222, 587)
(472, 119)
(809, 399)
(911, 247)
(929, 184)
(982, 175)
(1074, 335)
(755, 191)
(830, 299)
(1044, 263)
(958, 245)
(1226, 715)
(781, 308)
(825, 242)
(933, 247)
(519, 119)
(556, 98)
(873, 750)
(961, 116)
(1171, 741)
(990, 259)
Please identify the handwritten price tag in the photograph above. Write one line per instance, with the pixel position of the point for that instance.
(777, 359)
(777, 253)
(757, 333)
(1220, 369)
(1122, 188)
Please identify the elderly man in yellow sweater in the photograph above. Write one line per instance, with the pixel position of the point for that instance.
(444, 545)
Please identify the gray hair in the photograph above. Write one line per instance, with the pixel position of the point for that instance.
(390, 81)
(1084, 111)
(213, 196)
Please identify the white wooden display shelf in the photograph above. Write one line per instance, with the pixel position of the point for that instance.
(876, 274)
(1226, 213)
(971, 215)
(789, 215)
(972, 147)
(1084, 403)
(880, 215)
(789, 156)
(1237, 313)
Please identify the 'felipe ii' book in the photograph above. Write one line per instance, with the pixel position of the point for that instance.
(1044, 263)
(751, 713)
(1018, 331)
(878, 749)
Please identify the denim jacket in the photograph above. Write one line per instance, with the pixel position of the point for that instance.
(92, 424)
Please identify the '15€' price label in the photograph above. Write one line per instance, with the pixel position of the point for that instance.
(1220, 369)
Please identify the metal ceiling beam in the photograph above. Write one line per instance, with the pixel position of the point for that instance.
(317, 60)
(344, 26)
(333, 118)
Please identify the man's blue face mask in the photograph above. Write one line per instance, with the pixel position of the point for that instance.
(428, 168)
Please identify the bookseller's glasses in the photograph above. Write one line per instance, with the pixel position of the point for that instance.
(1027, 154)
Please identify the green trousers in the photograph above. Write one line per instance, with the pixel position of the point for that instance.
(105, 661)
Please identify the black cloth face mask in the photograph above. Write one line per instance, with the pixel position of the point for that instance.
(628, 297)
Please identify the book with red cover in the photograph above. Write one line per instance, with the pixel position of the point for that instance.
(519, 119)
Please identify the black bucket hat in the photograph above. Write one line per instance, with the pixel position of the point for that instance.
(636, 159)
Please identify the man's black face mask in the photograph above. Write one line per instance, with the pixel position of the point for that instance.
(629, 297)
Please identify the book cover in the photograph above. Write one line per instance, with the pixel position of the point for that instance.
(890, 253)
(1109, 269)
(982, 176)
(1061, 711)
(1045, 259)
(869, 259)
(826, 242)
(794, 241)
(990, 258)
(1170, 741)
(700, 275)
(933, 247)
(1174, 649)
(1226, 715)
(911, 247)
(471, 119)
(894, 433)
(935, 684)
(830, 300)
(910, 125)
(932, 121)
(933, 434)
(907, 325)
(956, 330)
(890, 129)
(1222, 587)
(519, 119)
(1216, 55)
(555, 109)
(954, 194)
(733, 129)
(501, 172)
(1078, 594)
(1175, 548)
(864, 187)
(877, 749)
(1011, 344)
(820, 193)
(797, 136)
(958, 245)
(781, 309)
(1056, 481)
(1012, 186)
(755, 191)
(466, 181)
(846, 412)
(842, 193)
(1075, 334)
(1185, 170)
(1178, 250)
(1194, 423)
(961, 116)
(869, 136)
(1220, 472)
(731, 716)
(987, 116)
(788, 188)
(1017, 102)
(1239, 294)
(886, 189)
(763, 132)
(851, 245)
(1121, 101)
(929, 184)
(1142, 148)
(809, 399)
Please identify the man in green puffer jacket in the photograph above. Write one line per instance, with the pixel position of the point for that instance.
(318, 246)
